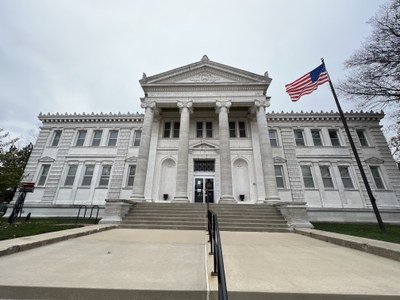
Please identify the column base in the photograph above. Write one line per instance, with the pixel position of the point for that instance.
(137, 198)
(270, 201)
(227, 199)
(180, 199)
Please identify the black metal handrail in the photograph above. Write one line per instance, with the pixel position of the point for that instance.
(97, 213)
(79, 212)
(216, 250)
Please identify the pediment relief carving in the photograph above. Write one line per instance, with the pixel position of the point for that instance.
(280, 160)
(46, 159)
(374, 160)
(203, 146)
(131, 159)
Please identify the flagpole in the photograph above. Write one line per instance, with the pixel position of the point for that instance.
(353, 147)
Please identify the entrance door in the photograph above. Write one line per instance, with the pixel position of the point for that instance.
(203, 190)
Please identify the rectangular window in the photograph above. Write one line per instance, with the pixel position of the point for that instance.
(136, 138)
(299, 137)
(131, 175)
(56, 138)
(43, 175)
(362, 138)
(97, 137)
(242, 129)
(167, 129)
(199, 129)
(377, 178)
(346, 178)
(69, 180)
(112, 137)
(280, 181)
(204, 166)
(307, 177)
(87, 177)
(209, 130)
(81, 138)
(316, 136)
(176, 129)
(273, 138)
(105, 175)
(232, 129)
(334, 136)
(326, 177)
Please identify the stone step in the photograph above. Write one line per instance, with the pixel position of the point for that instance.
(158, 217)
(256, 221)
(164, 222)
(255, 229)
(164, 226)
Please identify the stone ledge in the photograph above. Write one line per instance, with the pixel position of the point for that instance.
(380, 248)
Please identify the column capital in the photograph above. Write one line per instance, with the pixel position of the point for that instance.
(262, 102)
(148, 104)
(222, 104)
(185, 104)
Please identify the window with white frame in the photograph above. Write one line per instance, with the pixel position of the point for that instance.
(299, 137)
(307, 177)
(56, 138)
(280, 179)
(376, 175)
(346, 178)
(362, 138)
(136, 138)
(70, 178)
(97, 137)
(88, 175)
(237, 129)
(171, 129)
(316, 137)
(44, 172)
(112, 137)
(204, 129)
(105, 175)
(81, 137)
(131, 175)
(326, 177)
(273, 137)
(334, 137)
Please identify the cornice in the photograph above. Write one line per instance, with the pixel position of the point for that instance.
(324, 116)
(91, 118)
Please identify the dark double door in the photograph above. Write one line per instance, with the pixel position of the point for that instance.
(203, 190)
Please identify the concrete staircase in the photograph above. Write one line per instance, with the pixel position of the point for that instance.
(249, 217)
(192, 216)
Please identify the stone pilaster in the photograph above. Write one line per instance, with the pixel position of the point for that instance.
(185, 108)
(225, 152)
(143, 155)
(271, 191)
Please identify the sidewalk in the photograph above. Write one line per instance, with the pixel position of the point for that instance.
(174, 264)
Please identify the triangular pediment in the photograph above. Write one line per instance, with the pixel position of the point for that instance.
(131, 159)
(374, 160)
(280, 160)
(46, 159)
(205, 72)
(203, 145)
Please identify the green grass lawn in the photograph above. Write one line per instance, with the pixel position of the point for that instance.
(36, 226)
(370, 231)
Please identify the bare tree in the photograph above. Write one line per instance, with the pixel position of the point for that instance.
(374, 78)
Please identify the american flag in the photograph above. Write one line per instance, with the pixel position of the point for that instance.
(307, 83)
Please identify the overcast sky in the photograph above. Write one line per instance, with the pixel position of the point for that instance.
(88, 55)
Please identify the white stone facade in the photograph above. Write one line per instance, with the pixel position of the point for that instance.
(206, 134)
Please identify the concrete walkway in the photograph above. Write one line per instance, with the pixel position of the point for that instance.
(172, 264)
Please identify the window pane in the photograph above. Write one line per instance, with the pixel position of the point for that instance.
(131, 175)
(43, 174)
(377, 178)
(167, 129)
(346, 179)
(112, 139)
(232, 129)
(209, 129)
(176, 129)
(56, 138)
(273, 138)
(136, 140)
(280, 183)
(307, 177)
(97, 137)
(326, 177)
(81, 138)
(69, 180)
(242, 129)
(105, 176)
(87, 178)
(204, 166)
(316, 136)
(362, 138)
(199, 129)
(298, 136)
(333, 135)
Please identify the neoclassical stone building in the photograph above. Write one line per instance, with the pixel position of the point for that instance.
(206, 135)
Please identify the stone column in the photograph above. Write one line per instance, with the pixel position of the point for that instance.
(271, 191)
(225, 152)
(181, 195)
(143, 156)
